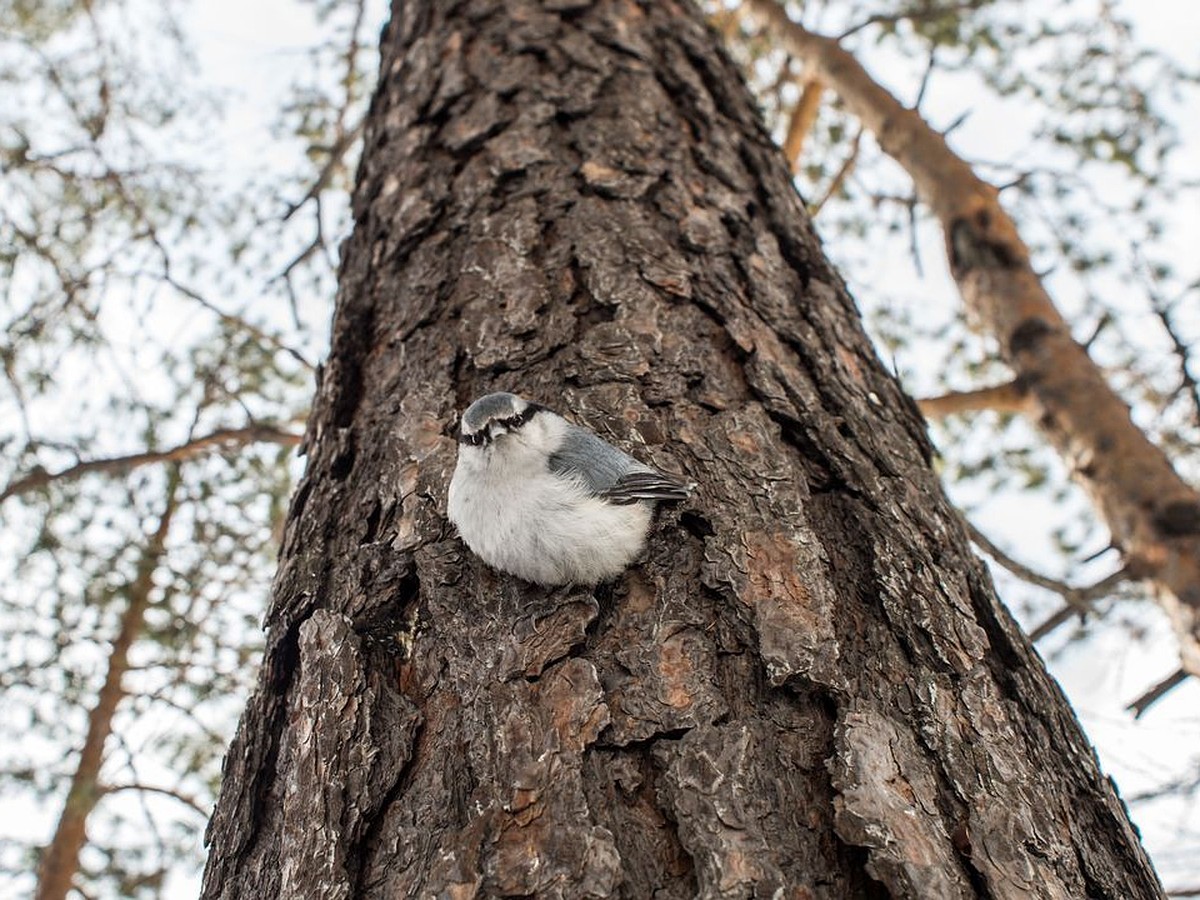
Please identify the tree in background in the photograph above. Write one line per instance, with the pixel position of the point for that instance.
(88, 241)
(159, 321)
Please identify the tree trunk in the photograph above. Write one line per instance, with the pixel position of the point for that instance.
(808, 688)
(59, 863)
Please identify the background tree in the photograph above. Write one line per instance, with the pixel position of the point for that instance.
(141, 343)
(808, 687)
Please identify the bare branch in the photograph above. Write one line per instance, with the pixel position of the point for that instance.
(337, 156)
(1182, 351)
(222, 437)
(185, 799)
(1183, 785)
(1006, 398)
(1079, 599)
(924, 14)
(236, 321)
(1060, 616)
(1156, 693)
(840, 177)
(804, 116)
(1079, 602)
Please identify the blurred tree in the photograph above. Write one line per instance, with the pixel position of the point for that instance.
(1153, 515)
(158, 318)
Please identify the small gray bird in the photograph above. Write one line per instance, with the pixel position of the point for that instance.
(548, 501)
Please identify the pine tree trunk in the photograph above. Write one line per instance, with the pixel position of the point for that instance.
(808, 688)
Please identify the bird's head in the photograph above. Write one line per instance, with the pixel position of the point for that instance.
(496, 415)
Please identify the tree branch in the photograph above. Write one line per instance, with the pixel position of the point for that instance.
(840, 177)
(185, 799)
(1156, 693)
(223, 437)
(1182, 351)
(1079, 599)
(1006, 398)
(60, 861)
(804, 116)
(913, 15)
(337, 155)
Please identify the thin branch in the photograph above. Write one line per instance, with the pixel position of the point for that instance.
(337, 155)
(151, 234)
(1079, 599)
(1183, 785)
(840, 177)
(1060, 616)
(236, 321)
(913, 245)
(1006, 398)
(804, 116)
(222, 437)
(1104, 322)
(1156, 693)
(1182, 351)
(913, 15)
(185, 799)
(930, 66)
(1020, 569)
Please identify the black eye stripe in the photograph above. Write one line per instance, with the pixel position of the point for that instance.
(484, 435)
(474, 439)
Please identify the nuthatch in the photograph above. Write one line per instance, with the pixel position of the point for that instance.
(548, 501)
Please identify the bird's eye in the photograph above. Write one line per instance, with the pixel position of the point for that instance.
(474, 440)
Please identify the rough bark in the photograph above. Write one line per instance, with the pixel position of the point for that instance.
(808, 688)
(1151, 512)
(60, 860)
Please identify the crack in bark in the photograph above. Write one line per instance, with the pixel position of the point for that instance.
(362, 850)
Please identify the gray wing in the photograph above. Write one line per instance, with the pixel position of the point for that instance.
(611, 474)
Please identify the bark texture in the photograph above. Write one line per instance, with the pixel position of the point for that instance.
(807, 689)
(1151, 512)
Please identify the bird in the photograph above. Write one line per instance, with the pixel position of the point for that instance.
(546, 500)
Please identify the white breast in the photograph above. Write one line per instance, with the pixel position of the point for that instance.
(519, 518)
